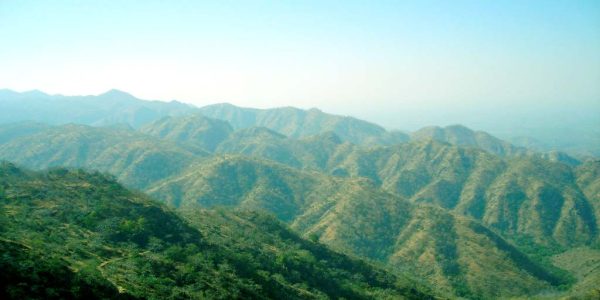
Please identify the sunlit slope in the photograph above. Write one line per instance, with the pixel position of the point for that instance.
(584, 263)
(450, 252)
(316, 152)
(523, 197)
(520, 196)
(234, 180)
(193, 129)
(353, 215)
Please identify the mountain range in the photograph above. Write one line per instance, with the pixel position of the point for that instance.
(122, 109)
(445, 211)
(112, 107)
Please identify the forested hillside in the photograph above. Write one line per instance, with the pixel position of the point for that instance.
(72, 234)
(353, 215)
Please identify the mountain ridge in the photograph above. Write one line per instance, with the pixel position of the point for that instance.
(457, 208)
(115, 106)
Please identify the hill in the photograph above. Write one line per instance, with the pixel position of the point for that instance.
(509, 213)
(193, 129)
(524, 196)
(67, 233)
(314, 152)
(588, 178)
(462, 136)
(136, 159)
(454, 254)
(233, 180)
(584, 263)
(112, 107)
(118, 107)
(295, 123)
(14, 130)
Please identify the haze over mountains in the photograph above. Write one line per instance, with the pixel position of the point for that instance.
(112, 107)
(117, 107)
(356, 211)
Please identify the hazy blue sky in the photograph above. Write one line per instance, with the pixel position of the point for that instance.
(397, 62)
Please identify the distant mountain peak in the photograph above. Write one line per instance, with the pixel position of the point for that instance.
(36, 93)
(10, 92)
(223, 104)
(31, 93)
(116, 93)
(458, 127)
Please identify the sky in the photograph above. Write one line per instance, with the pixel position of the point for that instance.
(402, 64)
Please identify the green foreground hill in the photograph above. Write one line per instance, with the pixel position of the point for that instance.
(66, 234)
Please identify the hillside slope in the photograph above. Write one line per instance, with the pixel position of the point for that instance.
(294, 122)
(529, 199)
(136, 159)
(588, 178)
(315, 152)
(452, 253)
(462, 136)
(584, 263)
(85, 229)
(522, 196)
(193, 129)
